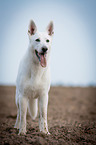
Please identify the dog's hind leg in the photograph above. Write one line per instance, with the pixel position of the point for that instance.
(33, 107)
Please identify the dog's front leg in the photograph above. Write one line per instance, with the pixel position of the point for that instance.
(43, 103)
(23, 102)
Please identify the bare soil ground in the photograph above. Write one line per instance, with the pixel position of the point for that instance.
(71, 118)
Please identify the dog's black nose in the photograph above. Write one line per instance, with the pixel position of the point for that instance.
(44, 49)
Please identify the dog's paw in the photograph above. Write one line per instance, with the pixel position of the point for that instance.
(45, 132)
(22, 132)
(16, 126)
(48, 133)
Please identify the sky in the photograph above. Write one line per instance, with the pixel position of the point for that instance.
(73, 53)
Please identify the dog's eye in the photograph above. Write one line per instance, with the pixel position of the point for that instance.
(38, 40)
(47, 40)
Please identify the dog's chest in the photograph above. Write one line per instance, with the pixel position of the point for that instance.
(34, 86)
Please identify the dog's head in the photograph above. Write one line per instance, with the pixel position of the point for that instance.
(40, 43)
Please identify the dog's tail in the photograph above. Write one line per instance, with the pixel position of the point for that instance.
(33, 108)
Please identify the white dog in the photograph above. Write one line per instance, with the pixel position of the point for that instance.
(33, 80)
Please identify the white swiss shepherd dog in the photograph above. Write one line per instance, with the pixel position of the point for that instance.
(33, 79)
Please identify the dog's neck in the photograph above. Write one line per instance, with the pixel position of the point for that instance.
(37, 71)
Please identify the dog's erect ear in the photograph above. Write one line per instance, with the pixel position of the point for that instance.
(50, 28)
(32, 28)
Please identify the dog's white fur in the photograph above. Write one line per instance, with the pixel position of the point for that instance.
(33, 80)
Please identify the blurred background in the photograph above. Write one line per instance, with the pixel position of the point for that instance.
(73, 55)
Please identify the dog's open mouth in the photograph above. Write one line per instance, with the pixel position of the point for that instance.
(42, 58)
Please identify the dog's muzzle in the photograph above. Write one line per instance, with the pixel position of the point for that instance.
(44, 49)
(42, 56)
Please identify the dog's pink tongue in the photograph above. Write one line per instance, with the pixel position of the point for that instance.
(43, 60)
